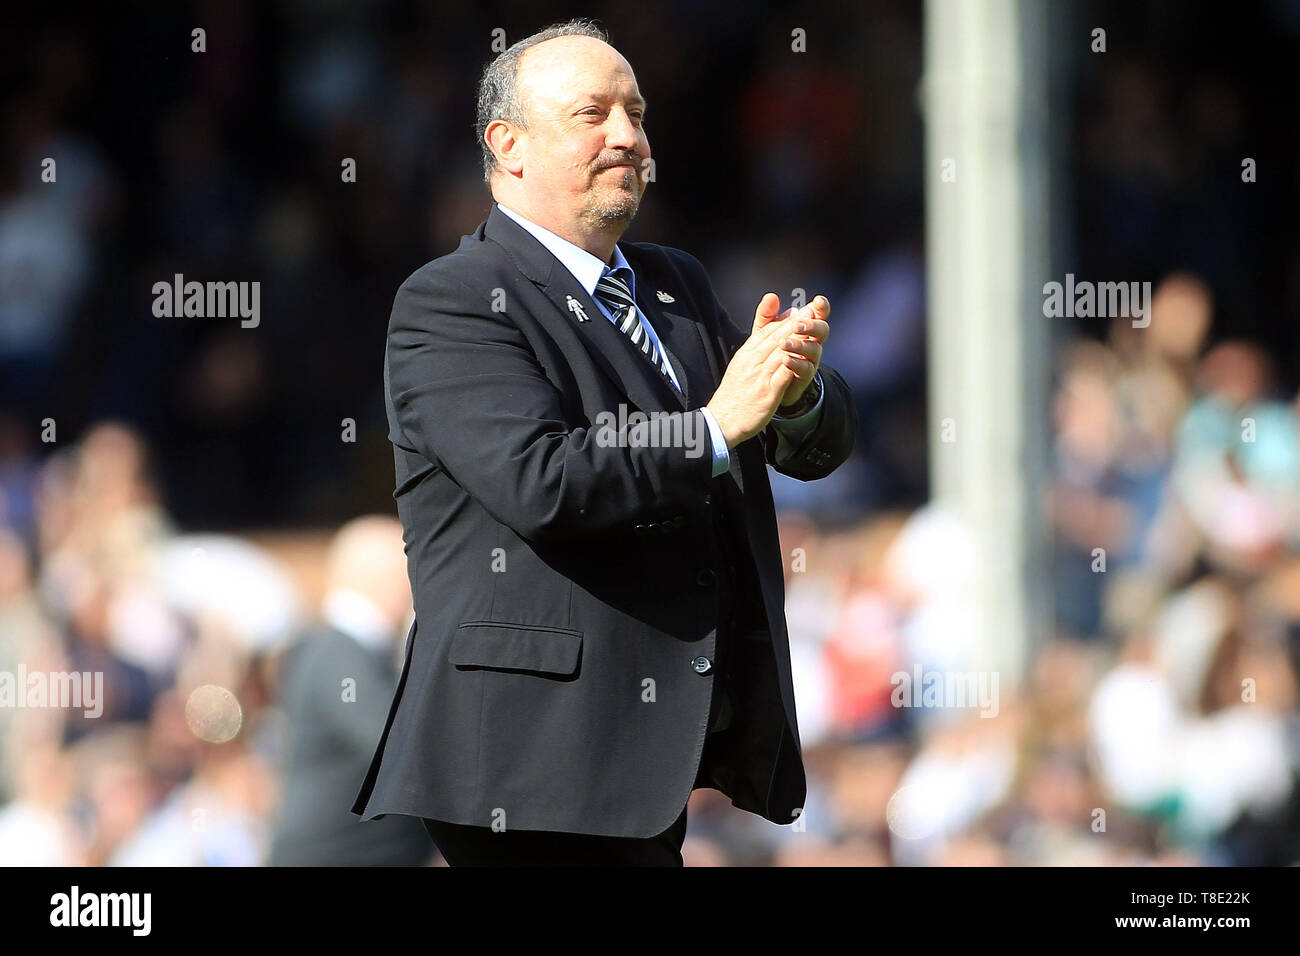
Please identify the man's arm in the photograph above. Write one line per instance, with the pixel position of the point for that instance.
(470, 395)
(792, 428)
(826, 444)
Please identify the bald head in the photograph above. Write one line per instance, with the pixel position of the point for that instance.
(561, 125)
(552, 71)
(368, 555)
(499, 96)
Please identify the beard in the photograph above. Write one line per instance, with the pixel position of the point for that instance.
(609, 205)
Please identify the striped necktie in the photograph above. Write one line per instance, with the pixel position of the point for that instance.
(615, 292)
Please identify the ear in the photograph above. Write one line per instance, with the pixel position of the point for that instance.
(505, 139)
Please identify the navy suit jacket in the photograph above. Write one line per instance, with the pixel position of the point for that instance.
(572, 584)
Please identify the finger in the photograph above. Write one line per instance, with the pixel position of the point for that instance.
(768, 311)
(800, 326)
(783, 359)
(821, 307)
(778, 339)
(779, 358)
(798, 364)
(782, 378)
(788, 323)
(810, 349)
(818, 329)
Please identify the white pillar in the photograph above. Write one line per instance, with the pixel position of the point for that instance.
(983, 97)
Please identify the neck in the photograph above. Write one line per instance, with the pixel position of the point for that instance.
(598, 240)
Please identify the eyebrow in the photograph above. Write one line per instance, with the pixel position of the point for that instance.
(637, 101)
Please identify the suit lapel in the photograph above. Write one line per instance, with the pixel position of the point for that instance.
(613, 351)
(632, 370)
(678, 334)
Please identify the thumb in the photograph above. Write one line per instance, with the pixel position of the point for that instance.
(769, 308)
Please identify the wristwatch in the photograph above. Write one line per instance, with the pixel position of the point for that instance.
(806, 401)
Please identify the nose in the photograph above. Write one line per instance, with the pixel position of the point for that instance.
(620, 134)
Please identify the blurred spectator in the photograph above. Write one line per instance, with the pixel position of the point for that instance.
(336, 685)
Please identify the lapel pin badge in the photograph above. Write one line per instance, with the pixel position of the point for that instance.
(576, 308)
(663, 296)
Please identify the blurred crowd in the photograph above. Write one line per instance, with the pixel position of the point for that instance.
(229, 165)
(247, 672)
(1159, 723)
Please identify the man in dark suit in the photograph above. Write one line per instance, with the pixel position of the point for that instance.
(335, 686)
(580, 435)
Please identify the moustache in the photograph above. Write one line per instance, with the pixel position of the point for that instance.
(633, 161)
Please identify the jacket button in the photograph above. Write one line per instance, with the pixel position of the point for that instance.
(640, 529)
(679, 521)
(706, 578)
(708, 499)
(701, 665)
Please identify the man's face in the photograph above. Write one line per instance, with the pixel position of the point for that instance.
(584, 148)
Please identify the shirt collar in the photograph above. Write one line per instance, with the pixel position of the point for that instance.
(584, 267)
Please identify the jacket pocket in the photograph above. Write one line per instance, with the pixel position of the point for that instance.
(516, 647)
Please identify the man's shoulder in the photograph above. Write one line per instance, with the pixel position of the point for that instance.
(472, 256)
(478, 260)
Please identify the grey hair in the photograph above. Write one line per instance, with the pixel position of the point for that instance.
(498, 96)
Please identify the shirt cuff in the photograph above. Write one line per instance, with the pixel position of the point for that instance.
(721, 454)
